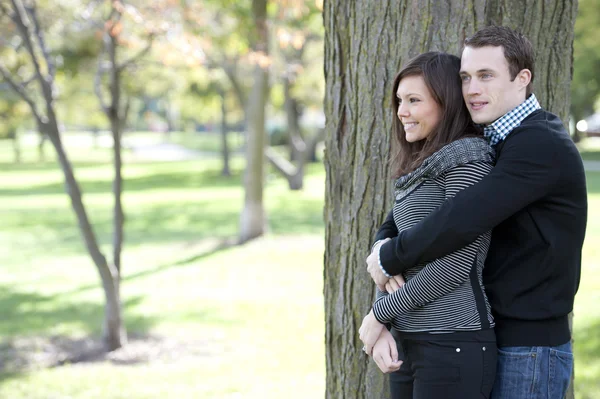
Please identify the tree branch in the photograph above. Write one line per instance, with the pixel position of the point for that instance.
(40, 37)
(22, 22)
(125, 113)
(235, 83)
(137, 56)
(284, 166)
(98, 78)
(20, 90)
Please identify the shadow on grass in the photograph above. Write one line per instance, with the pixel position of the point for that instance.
(219, 246)
(30, 313)
(27, 318)
(190, 178)
(587, 356)
(55, 231)
(19, 356)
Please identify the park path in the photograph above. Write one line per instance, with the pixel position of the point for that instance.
(164, 151)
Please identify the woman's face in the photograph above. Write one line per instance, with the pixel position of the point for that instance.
(417, 110)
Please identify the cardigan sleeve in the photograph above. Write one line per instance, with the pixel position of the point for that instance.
(442, 275)
(388, 229)
(524, 173)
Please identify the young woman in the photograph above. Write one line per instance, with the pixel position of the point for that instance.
(441, 343)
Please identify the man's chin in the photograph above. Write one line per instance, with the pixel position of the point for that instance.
(480, 119)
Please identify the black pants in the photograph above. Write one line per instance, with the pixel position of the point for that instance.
(445, 366)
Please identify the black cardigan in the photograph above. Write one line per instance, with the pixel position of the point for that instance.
(535, 200)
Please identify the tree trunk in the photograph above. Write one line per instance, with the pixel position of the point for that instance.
(48, 127)
(253, 219)
(224, 143)
(114, 335)
(116, 123)
(42, 148)
(297, 144)
(365, 47)
(16, 145)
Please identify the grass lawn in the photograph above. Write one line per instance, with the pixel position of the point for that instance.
(241, 322)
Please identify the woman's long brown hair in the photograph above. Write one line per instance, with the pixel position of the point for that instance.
(440, 71)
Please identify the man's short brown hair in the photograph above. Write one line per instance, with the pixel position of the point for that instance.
(518, 50)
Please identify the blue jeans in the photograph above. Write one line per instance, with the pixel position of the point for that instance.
(533, 372)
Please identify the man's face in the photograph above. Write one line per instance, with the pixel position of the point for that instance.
(486, 84)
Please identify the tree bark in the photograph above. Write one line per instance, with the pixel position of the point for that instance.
(365, 47)
(253, 218)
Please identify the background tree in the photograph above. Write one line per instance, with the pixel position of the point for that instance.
(253, 219)
(585, 87)
(12, 112)
(365, 47)
(297, 28)
(41, 70)
(115, 109)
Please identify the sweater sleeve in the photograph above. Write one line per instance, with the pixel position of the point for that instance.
(524, 173)
(388, 229)
(442, 275)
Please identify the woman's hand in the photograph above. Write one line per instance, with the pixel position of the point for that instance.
(394, 284)
(369, 331)
(385, 353)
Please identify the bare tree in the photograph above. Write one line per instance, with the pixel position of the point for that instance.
(365, 47)
(28, 26)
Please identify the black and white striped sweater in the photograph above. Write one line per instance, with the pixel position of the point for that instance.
(446, 294)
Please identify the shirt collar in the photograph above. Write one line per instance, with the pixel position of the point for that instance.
(501, 127)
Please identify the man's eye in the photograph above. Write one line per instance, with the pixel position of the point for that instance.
(465, 78)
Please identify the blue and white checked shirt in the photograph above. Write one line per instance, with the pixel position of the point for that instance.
(499, 129)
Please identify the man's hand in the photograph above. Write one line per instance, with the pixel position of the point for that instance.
(373, 267)
(369, 331)
(394, 284)
(385, 353)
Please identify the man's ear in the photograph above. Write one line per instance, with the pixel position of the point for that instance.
(524, 77)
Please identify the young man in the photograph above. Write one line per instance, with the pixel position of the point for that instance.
(535, 201)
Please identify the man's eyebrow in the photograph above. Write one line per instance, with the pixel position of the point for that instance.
(483, 70)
